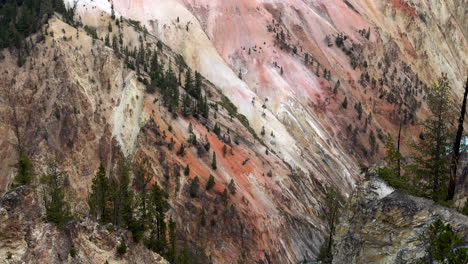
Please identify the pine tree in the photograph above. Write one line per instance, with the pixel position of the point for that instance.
(189, 82)
(112, 12)
(186, 105)
(100, 196)
(57, 209)
(345, 103)
(232, 187)
(225, 197)
(431, 153)
(172, 250)
(213, 162)
(170, 90)
(155, 68)
(127, 197)
(204, 107)
(217, 129)
(337, 85)
(187, 170)
(194, 186)
(141, 181)
(331, 210)
(442, 243)
(158, 207)
(24, 171)
(211, 183)
(393, 156)
(224, 150)
(198, 86)
(122, 197)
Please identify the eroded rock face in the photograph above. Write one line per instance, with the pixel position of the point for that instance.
(25, 238)
(90, 108)
(381, 225)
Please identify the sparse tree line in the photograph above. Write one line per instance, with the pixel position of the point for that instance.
(427, 170)
(126, 198)
(20, 19)
(430, 171)
(151, 71)
(139, 206)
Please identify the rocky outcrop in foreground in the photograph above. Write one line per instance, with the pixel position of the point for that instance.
(25, 238)
(382, 225)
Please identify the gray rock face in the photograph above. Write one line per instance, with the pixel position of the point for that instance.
(25, 238)
(381, 225)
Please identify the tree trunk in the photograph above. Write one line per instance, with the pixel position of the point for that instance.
(456, 148)
(399, 157)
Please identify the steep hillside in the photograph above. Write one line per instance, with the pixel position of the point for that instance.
(301, 59)
(298, 94)
(78, 102)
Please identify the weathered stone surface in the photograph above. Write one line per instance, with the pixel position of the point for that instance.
(25, 238)
(381, 225)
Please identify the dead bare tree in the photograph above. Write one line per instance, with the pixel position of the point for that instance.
(456, 148)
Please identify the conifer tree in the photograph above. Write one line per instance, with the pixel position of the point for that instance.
(57, 209)
(126, 197)
(213, 162)
(198, 85)
(443, 245)
(224, 150)
(141, 181)
(345, 103)
(24, 171)
(211, 183)
(186, 105)
(393, 156)
(431, 152)
(225, 196)
(217, 129)
(157, 240)
(172, 250)
(232, 187)
(330, 214)
(100, 196)
(194, 186)
(189, 82)
(122, 197)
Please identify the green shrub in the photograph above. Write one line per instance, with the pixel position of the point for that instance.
(122, 248)
(400, 183)
(73, 252)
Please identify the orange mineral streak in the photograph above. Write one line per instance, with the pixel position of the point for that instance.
(405, 7)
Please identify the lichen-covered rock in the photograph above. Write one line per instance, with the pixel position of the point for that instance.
(25, 238)
(381, 225)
